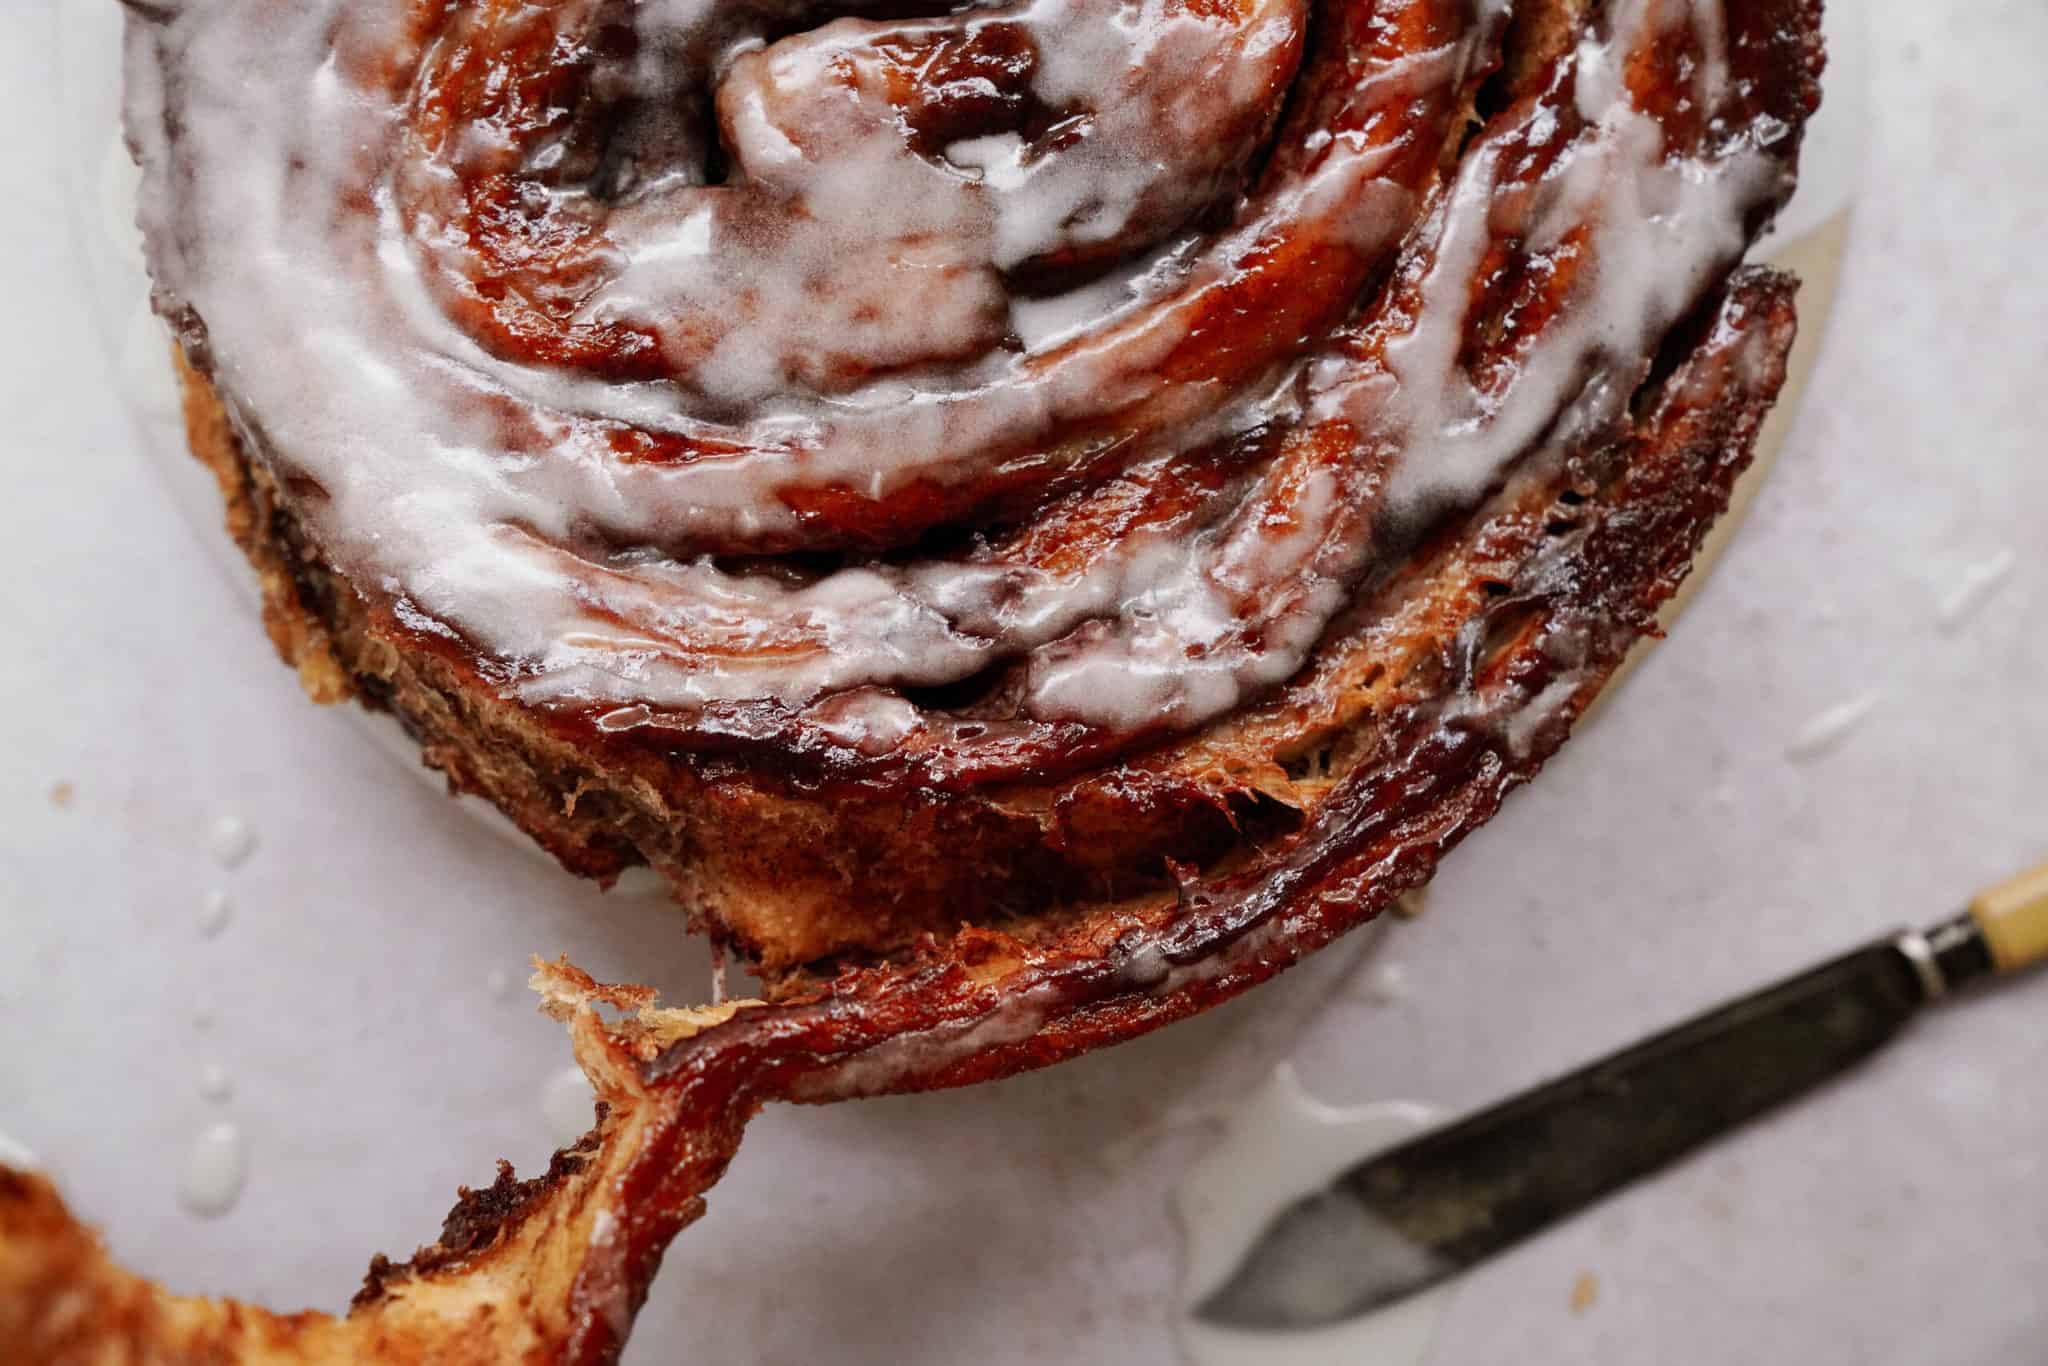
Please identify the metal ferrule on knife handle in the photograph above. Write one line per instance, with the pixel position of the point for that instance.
(2004, 930)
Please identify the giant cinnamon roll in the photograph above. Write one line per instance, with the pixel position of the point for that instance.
(1030, 516)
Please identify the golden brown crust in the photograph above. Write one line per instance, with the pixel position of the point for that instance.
(788, 873)
(799, 859)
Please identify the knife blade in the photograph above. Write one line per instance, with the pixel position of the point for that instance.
(1446, 1200)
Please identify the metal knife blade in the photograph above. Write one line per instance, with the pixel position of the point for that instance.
(1447, 1199)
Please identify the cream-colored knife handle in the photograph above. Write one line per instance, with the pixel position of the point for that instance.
(2014, 919)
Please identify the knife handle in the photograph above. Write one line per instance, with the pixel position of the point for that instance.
(2013, 918)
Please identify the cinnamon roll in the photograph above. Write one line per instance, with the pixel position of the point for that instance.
(1030, 516)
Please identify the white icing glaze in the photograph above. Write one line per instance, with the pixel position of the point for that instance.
(1830, 729)
(881, 1068)
(1975, 588)
(215, 1167)
(468, 487)
(742, 313)
(215, 1084)
(231, 841)
(215, 911)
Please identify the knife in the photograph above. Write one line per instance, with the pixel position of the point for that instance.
(1445, 1200)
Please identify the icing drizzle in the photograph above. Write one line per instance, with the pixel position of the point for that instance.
(978, 392)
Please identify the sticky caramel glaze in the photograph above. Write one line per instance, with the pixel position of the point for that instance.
(1156, 670)
(747, 463)
(553, 1271)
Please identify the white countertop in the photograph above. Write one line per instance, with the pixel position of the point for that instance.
(1675, 854)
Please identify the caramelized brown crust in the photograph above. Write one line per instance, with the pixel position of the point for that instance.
(553, 1271)
(798, 851)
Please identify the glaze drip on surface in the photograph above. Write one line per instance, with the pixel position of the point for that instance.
(978, 393)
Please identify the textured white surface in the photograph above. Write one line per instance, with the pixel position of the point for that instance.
(1672, 856)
